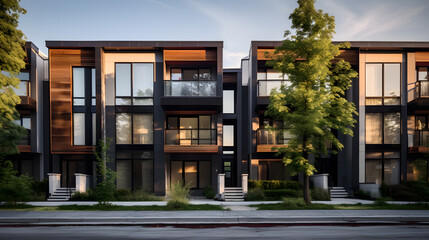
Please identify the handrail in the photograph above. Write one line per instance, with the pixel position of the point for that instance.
(200, 136)
(419, 89)
(190, 87)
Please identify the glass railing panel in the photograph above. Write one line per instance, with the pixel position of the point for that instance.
(190, 88)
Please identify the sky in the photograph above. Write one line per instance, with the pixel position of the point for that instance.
(235, 22)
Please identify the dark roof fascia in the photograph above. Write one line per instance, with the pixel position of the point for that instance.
(133, 44)
(359, 44)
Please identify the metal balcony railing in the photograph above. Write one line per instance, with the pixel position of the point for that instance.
(272, 137)
(191, 137)
(418, 89)
(190, 88)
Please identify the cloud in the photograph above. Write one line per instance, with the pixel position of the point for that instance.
(233, 59)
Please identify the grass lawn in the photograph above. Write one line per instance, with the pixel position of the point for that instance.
(25, 207)
(319, 206)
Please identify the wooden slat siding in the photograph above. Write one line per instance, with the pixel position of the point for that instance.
(24, 148)
(229, 77)
(190, 55)
(265, 54)
(191, 149)
(61, 62)
(349, 55)
(267, 148)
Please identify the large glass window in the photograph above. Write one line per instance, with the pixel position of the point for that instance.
(269, 79)
(228, 101)
(383, 84)
(191, 130)
(228, 135)
(135, 170)
(24, 85)
(83, 101)
(134, 83)
(382, 167)
(134, 128)
(383, 128)
(422, 80)
(195, 173)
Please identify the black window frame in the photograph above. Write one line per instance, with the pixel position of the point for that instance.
(196, 129)
(133, 159)
(132, 97)
(382, 128)
(382, 159)
(192, 68)
(132, 128)
(382, 85)
(198, 171)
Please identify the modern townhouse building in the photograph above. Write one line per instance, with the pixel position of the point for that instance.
(391, 96)
(173, 113)
(33, 159)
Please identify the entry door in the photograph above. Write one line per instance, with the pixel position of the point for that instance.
(191, 176)
(227, 170)
(69, 168)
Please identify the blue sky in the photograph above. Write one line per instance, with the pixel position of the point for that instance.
(236, 22)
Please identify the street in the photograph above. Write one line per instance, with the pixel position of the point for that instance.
(279, 232)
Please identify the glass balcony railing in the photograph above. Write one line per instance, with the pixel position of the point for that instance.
(266, 86)
(190, 88)
(272, 137)
(420, 139)
(190, 137)
(418, 89)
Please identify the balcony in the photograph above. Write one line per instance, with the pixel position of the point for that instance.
(186, 94)
(265, 87)
(267, 139)
(418, 93)
(191, 141)
(419, 141)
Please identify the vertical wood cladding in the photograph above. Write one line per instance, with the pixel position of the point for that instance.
(61, 62)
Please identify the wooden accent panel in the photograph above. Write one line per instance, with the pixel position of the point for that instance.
(386, 57)
(418, 149)
(191, 148)
(190, 55)
(28, 102)
(351, 56)
(24, 148)
(61, 62)
(265, 54)
(267, 148)
(229, 77)
(422, 56)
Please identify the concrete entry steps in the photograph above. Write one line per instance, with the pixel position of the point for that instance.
(338, 192)
(62, 194)
(234, 194)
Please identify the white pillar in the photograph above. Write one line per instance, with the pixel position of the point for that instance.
(54, 182)
(81, 182)
(244, 180)
(221, 186)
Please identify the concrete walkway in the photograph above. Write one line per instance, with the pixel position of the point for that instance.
(335, 201)
(60, 218)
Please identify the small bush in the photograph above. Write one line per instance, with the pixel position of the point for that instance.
(16, 189)
(318, 194)
(274, 184)
(279, 194)
(410, 191)
(380, 202)
(255, 195)
(293, 202)
(209, 192)
(140, 195)
(122, 194)
(82, 196)
(176, 204)
(178, 195)
(385, 190)
(362, 194)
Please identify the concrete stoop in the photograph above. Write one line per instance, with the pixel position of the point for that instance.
(62, 194)
(234, 194)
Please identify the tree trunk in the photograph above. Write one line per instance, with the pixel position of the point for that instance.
(306, 189)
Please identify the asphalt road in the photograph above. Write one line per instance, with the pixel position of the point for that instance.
(280, 232)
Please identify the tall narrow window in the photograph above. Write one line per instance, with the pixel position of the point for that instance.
(228, 101)
(134, 83)
(83, 106)
(228, 135)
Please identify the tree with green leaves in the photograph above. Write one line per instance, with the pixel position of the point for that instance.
(313, 105)
(104, 192)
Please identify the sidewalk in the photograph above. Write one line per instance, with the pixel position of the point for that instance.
(66, 218)
(335, 201)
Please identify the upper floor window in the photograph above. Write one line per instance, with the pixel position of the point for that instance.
(83, 106)
(134, 128)
(25, 122)
(228, 101)
(383, 128)
(422, 81)
(268, 79)
(24, 85)
(190, 74)
(383, 84)
(191, 130)
(134, 83)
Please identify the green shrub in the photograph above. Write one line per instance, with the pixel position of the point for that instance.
(255, 195)
(15, 189)
(209, 192)
(362, 194)
(82, 196)
(178, 195)
(122, 194)
(318, 194)
(293, 202)
(279, 194)
(274, 184)
(140, 195)
(410, 191)
(384, 190)
(380, 202)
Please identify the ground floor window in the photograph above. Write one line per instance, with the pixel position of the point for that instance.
(134, 170)
(195, 173)
(271, 170)
(382, 167)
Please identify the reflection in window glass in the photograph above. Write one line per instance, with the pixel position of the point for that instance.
(188, 123)
(79, 128)
(143, 128)
(123, 79)
(176, 172)
(142, 79)
(228, 101)
(79, 82)
(373, 128)
(423, 74)
(204, 74)
(228, 135)
(392, 128)
(124, 170)
(123, 128)
(392, 80)
(93, 82)
(274, 75)
(176, 74)
(191, 174)
(190, 74)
